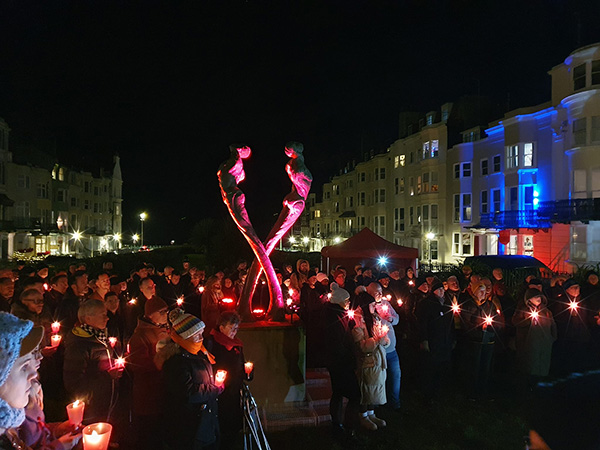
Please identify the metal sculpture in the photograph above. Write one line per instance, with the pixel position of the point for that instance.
(230, 174)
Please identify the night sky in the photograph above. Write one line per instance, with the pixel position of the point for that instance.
(169, 85)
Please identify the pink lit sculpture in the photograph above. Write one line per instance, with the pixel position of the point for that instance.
(230, 174)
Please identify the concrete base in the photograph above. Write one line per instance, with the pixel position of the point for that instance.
(278, 351)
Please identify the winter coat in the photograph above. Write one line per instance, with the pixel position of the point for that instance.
(190, 407)
(147, 379)
(534, 337)
(85, 373)
(371, 363)
(339, 343)
(573, 325)
(436, 326)
(474, 316)
(35, 432)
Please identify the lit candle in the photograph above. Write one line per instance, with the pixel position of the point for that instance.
(220, 377)
(329, 295)
(488, 320)
(112, 341)
(455, 308)
(291, 292)
(411, 282)
(55, 327)
(351, 314)
(389, 297)
(97, 436)
(248, 366)
(133, 301)
(55, 340)
(573, 306)
(201, 289)
(180, 301)
(289, 302)
(227, 301)
(384, 330)
(75, 412)
(120, 363)
(384, 308)
(400, 302)
(127, 349)
(535, 316)
(46, 287)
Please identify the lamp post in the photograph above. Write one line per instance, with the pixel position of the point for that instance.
(143, 217)
(430, 237)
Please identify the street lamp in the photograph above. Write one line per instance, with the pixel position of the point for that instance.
(430, 236)
(135, 238)
(143, 217)
(76, 236)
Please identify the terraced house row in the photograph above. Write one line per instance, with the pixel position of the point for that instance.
(528, 183)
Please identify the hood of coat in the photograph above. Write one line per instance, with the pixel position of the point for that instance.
(167, 351)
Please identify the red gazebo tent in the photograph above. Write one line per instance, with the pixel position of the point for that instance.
(366, 248)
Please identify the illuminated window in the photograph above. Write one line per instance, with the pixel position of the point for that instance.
(434, 181)
(402, 160)
(528, 154)
(425, 150)
(61, 174)
(466, 207)
(579, 77)
(435, 144)
(512, 156)
(579, 131)
(396, 162)
(317, 213)
(419, 185)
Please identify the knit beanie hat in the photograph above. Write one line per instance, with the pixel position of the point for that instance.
(531, 293)
(185, 325)
(437, 283)
(338, 295)
(153, 305)
(12, 332)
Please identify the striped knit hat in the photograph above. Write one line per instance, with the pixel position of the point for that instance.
(185, 325)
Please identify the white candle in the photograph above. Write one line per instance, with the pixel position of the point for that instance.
(112, 341)
(220, 377)
(97, 436)
(55, 340)
(120, 363)
(55, 327)
(248, 366)
(75, 412)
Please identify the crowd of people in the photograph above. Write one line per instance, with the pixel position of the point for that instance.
(142, 352)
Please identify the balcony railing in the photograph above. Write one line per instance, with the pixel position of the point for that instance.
(565, 211)
(514, 219)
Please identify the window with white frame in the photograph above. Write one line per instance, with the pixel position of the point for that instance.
(335, 188)
(411, 215)
(425, 150)
(411, 185)
(61, 195)
(336, 207)
(379, 173)
(466, 208)
(466, 169)
(434, 181)
(456, 205)
(496, 200)
(579, 77)
(456, 171)
(402, 225)
(579, 131)
(22, 209)
(435, 148)
(579, 183)
(379, 225)
(362, 177)
(512, 156)
(42, 190)
(379, 195)
(528, 154)
(483, 205)
(461, 244)
(418, 214)
(426, 182)
(595, 131)
(426, 224)
(349, 202)
(362, 199)
(361, 221)
(528, 197)
(497, 163)
(433, 250)
(317, 213)
(434, 216)
(23, 181)
(419, 184)
(396, 162)
(484, 167)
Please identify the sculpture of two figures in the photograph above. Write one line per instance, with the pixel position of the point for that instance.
(230, 174)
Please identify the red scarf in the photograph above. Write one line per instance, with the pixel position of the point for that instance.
(225, 341)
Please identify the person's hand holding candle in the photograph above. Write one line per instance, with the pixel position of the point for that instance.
(220, 378)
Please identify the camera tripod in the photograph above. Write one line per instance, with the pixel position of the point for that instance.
(254, 434)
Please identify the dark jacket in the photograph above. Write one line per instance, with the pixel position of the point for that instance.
(338, 337)
(573, 325)
(436, 326)
(534, 337)
(190, 407)
(85, 373)
(66, 310)
(147, 379)
(474, 317)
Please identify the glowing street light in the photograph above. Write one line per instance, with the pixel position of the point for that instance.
(143, 217)
(76, 236)
(292, 240)
(135, 238)
(337, 239)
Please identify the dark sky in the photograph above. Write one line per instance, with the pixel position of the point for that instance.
(169, 85)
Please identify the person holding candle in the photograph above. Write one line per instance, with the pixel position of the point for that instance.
(66, 311)
(229, 355)
(190, 408)
(30, 306)
(58, 287)
(341, 362)
(535, 334)
(89, 372)
(147, 379)
(18, 368)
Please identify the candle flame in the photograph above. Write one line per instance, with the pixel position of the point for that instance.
(534, 315)
(411, 282)
(389, 297)
(488, 320)
(201, 289)
(351, 313)
(455, 308)
(385, 329)
(227, 300)
(75, 403)
(289, 301)
(133, 301)
(180, 301)
(573, 305)
(400, 302)
(329, 295)
(291, 292)
(384, 308)
(112, 340)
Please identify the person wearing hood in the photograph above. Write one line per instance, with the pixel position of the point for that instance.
(147, 381)
(190, 407)
(18, 368)
(300, 277)
(535, 334)
(341, 362)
